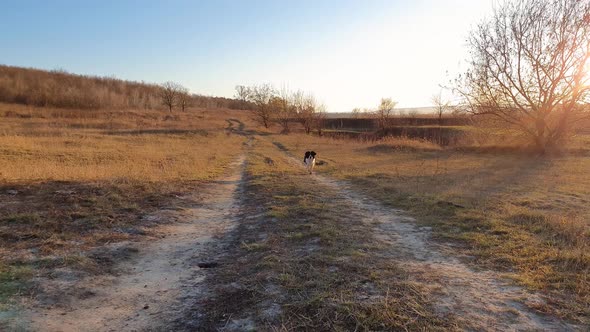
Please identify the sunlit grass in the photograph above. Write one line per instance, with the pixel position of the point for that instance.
(96, 157)
(75, 180)
(69, 146)
(526, 214)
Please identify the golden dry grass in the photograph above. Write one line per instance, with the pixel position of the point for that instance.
(71, 180)
(557, 185)
(524, 214)
(99, 157)
(146, 146)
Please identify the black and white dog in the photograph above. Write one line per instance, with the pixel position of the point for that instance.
(309, 160)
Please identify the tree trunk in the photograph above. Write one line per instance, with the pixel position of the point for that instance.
(540, 144)
(540, 139)
(285, 124)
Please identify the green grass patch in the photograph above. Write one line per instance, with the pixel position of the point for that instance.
(13, 280)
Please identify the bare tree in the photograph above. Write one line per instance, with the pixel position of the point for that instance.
(320, 116)
(261, 96)
(242, 92)
(356, 113)
(305, 108)
(169, 94)
(283, 109)
(242, 95)
(298, 101)
(441, 106)
(384, 112)
(528, 67)
(184, 97)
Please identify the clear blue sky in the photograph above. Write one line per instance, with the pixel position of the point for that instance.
(348, 53)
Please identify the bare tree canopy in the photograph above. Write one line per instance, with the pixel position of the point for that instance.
(242, 93)
(184, 97)
(384, 112)
(528, 67)
(283, 109)
(260, 96)
(306, 109)
(169, 93)
(441, 106)
(356, 113)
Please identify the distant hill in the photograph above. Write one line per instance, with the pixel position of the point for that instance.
(66, 90)
(397, 111)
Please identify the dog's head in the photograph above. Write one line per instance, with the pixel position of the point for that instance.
(309, 154)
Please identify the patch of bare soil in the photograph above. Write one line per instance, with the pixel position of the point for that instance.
(480, 300)
(146, 289)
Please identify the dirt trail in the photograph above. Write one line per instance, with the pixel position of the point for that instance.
(162, 273)
(481, 300)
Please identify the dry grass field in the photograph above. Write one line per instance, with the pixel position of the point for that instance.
(308, 263)
(184, 195)
(71, 180)
(522, 214)
(311, 254)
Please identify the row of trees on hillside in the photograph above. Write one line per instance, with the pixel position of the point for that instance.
(281, 106)
(64, 90)
(61, 89)
(173, 95)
